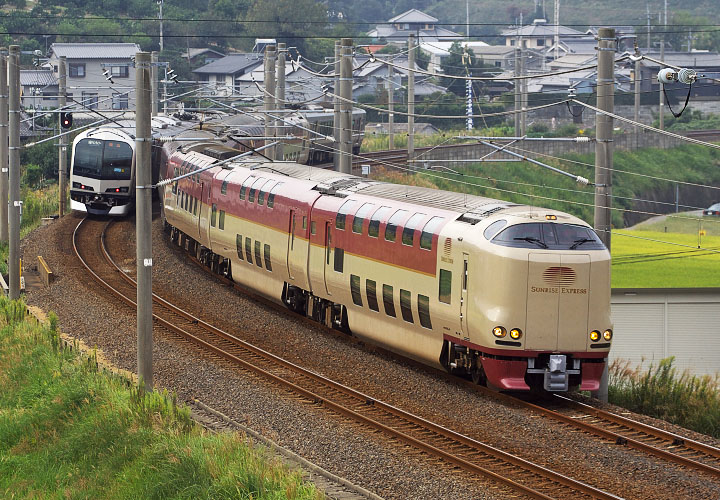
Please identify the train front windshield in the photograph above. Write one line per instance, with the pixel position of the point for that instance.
(100, 159)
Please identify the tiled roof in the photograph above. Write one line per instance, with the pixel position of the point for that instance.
(540, 30)
(95, 50)
(231, 64)
(37, 77)
(413, 16)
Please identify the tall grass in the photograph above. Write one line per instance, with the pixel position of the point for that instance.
(660, 391)
(68, 430)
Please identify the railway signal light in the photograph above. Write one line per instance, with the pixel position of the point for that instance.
(66, 120)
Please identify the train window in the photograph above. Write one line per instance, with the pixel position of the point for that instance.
(313, 227)
(355, 290)
(186, 200)
(195, 206)
(268, 264)
(248, 250)
(388, 300)
(342, 213)
(549, 235)
(370, 291)
(264, 192)
(238, 245)
(392, 225)
(97, 159)
(424, 311)
(221, 221)
(304, 222)
(213, 215)
(408, 234)
(360, 216)
(223, 188)
(259, 182)
(374, 226)
(258, 257)
(405, 305)
(445, 290)
(246, 185)
(493, 228)
(429, 231)
(339, 259)
(271, 195)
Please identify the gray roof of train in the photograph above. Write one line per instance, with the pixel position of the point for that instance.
(330, 180)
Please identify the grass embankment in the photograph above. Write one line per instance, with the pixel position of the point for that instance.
(690, 401)
(69, 431)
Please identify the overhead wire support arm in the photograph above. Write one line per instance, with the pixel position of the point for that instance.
(577, 178)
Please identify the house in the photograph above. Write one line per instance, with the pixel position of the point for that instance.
(201, 56)
(441, 49)
(538, 35)
(413, 22)
(86, 84)
(223, 74)
(38, 89)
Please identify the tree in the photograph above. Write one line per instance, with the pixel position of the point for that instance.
(289, 21)
(459, 63)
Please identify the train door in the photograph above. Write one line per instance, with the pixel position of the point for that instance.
(328, 256)
(464, 297)
(291, 242)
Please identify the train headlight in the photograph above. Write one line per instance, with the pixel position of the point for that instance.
(594, 335)
(499, 331)
(515, 333)
(607, 334)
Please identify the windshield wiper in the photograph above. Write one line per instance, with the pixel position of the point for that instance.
(538, 242)
(579, 242)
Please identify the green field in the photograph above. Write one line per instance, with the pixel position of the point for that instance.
(666, 254)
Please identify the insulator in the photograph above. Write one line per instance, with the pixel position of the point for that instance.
(582, 180)
(582, 139)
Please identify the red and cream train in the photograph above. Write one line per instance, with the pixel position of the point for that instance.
(517, 297)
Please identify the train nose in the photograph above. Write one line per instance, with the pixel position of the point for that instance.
(557, 301)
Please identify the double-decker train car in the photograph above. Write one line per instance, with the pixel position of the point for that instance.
(514, 296)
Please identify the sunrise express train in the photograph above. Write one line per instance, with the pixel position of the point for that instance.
(512, 295)
(102, 169)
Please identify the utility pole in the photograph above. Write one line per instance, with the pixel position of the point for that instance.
(523, 90)
(143, 220)
(468, 91)
(647, 13)
(661, 84)
(336, 107)
(604, 151)
(160, 3)
(636, 116)
(62, 140)
(269, 81)
(517, 90)
(411, 101)
(3, 147)
(15, 205)
(556, 39)
(154, 69)
(391, 108)
(280, 98)
(346, 130)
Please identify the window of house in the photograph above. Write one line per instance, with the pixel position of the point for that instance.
(119, 71)
(76, 70)
(342, 213)
(445, 286)
(360, 216)
(258, 257)
(119, 101)
(424, 311)
(339, 259)
(238, 246)
(541, 42)
(429, 231)
(370, 291)
(90, 100)
(355, 290)
(408, 234)
(248, 250)
(221, 221)
(405, 305)
(388, 300)
(374, 226)
(213, 215)
(268, 263)
(392, 225)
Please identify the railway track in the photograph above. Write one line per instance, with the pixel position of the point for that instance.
(395, 424)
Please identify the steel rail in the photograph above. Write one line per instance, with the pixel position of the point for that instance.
(360, 401)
